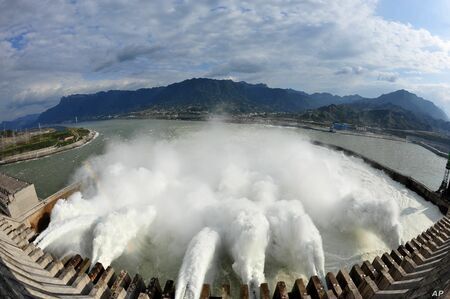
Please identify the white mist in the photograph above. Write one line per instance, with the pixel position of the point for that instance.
(267, 200)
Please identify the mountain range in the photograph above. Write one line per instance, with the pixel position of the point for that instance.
(406, 110)
(23, 122)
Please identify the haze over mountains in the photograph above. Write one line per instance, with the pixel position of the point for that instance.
(404, 109)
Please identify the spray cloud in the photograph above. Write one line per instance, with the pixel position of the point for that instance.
(258, 196)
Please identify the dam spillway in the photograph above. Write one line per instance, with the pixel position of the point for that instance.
(414, 270)
(404, 180)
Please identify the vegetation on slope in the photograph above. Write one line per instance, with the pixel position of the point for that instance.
(387, 116)
(27, 142)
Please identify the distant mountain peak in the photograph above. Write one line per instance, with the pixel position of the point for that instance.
(399, 93)
(411, 102)
(403, 91)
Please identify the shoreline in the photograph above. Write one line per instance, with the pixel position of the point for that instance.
(49, 151)
(293, 124)
(270, 122)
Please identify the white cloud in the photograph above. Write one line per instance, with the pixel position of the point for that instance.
(80, 46)
(354, 70)
(388, 76)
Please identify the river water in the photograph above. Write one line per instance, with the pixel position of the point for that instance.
(199, 190)
(50, 174)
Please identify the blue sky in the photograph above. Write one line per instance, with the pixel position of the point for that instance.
(52, 48)
(433, 15)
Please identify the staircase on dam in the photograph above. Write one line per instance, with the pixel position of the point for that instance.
(418, 269)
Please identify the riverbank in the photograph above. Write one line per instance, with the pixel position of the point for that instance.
(44, 152)
(286, 122)
(322, 127)
(270, 120)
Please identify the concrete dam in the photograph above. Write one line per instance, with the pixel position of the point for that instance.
(418, 269)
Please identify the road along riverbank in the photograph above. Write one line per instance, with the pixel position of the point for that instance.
(40, 153)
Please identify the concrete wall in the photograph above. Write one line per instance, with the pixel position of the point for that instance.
(39, 217)
(23, 200)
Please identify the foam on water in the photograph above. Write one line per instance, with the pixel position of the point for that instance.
(267, 200)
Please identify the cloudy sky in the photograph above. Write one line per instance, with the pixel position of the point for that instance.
(53, 48)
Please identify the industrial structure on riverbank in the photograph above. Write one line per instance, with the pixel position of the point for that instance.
(444, 189)
(418, 269)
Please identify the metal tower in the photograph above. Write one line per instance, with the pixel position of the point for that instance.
(444, 189)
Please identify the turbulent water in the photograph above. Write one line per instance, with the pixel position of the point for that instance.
(217, 204)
